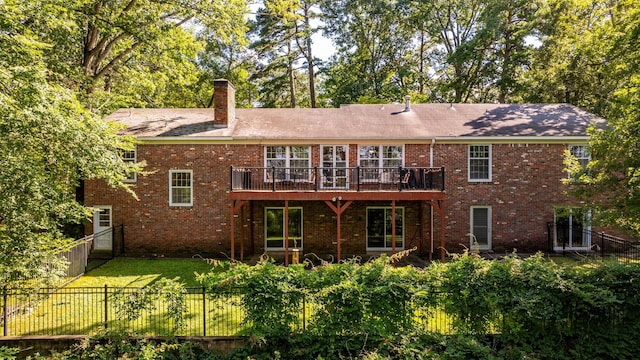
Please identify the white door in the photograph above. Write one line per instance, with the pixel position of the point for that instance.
(102, 228)
(335, 167)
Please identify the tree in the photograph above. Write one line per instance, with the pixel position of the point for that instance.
(506, 25)
(610, 183)
(373, 42)
(111, 52)
(48, 142)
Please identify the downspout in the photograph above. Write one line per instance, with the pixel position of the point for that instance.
(433, 141)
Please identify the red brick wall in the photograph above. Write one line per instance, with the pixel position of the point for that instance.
(524, 188)
(525, 185)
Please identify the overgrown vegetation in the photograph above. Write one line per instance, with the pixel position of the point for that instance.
(511, 308)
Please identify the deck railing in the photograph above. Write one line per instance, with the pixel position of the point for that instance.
(337, 179)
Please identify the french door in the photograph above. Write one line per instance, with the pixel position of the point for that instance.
(335, 165)
(572, 229)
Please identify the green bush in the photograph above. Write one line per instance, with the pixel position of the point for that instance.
(511, 308)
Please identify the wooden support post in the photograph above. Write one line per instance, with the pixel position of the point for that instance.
(338, 210)
(242, 220)
(339, 235)
(236, 205)
(393, 228)
(286, 233)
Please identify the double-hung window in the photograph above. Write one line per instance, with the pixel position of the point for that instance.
(380, 228)
(275, 228)
(479, 163)
(180, 188)
(581, 154)
(287, 163)
(129, 156)
(379, 162)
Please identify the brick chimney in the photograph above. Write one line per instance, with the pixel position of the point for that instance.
(224, 102)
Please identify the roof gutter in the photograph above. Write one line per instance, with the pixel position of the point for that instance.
(183, 139)
(511, 139)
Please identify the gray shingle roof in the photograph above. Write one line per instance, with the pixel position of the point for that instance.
(389, 122)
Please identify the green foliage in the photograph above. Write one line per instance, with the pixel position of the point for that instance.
(272, 295)
(511, 308)
(49, 143)
(117, 345)
(8, 353)
(130, 304)
(375, 296)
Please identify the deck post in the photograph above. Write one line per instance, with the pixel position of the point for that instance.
(233, 232)
(286, 233)
(393, 228)
(338, 232)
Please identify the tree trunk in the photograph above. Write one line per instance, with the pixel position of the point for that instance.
(292, 76)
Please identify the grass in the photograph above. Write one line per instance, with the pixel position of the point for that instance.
(123, 272)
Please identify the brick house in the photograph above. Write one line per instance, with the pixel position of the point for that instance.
(351, 180)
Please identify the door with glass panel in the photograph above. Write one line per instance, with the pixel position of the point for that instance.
(573, 230)
(102, 239)
(334, 172)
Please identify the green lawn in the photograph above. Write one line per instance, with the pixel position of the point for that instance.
(123, 272)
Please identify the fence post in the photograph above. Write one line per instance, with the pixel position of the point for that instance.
(304, 313)
(204, 313)
(106, 308)
(602, 244)
(4, 310)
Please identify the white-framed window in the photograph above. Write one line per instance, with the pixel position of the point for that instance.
(275, 226)
(581, 153)
(291, 163)
(380, 162)
(180, 187)
(479, 163)
(380, 229)
(480, 227)
(129, 156)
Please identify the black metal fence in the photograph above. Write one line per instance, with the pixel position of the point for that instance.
(564, 238)
(335, 178)
(86, 310)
